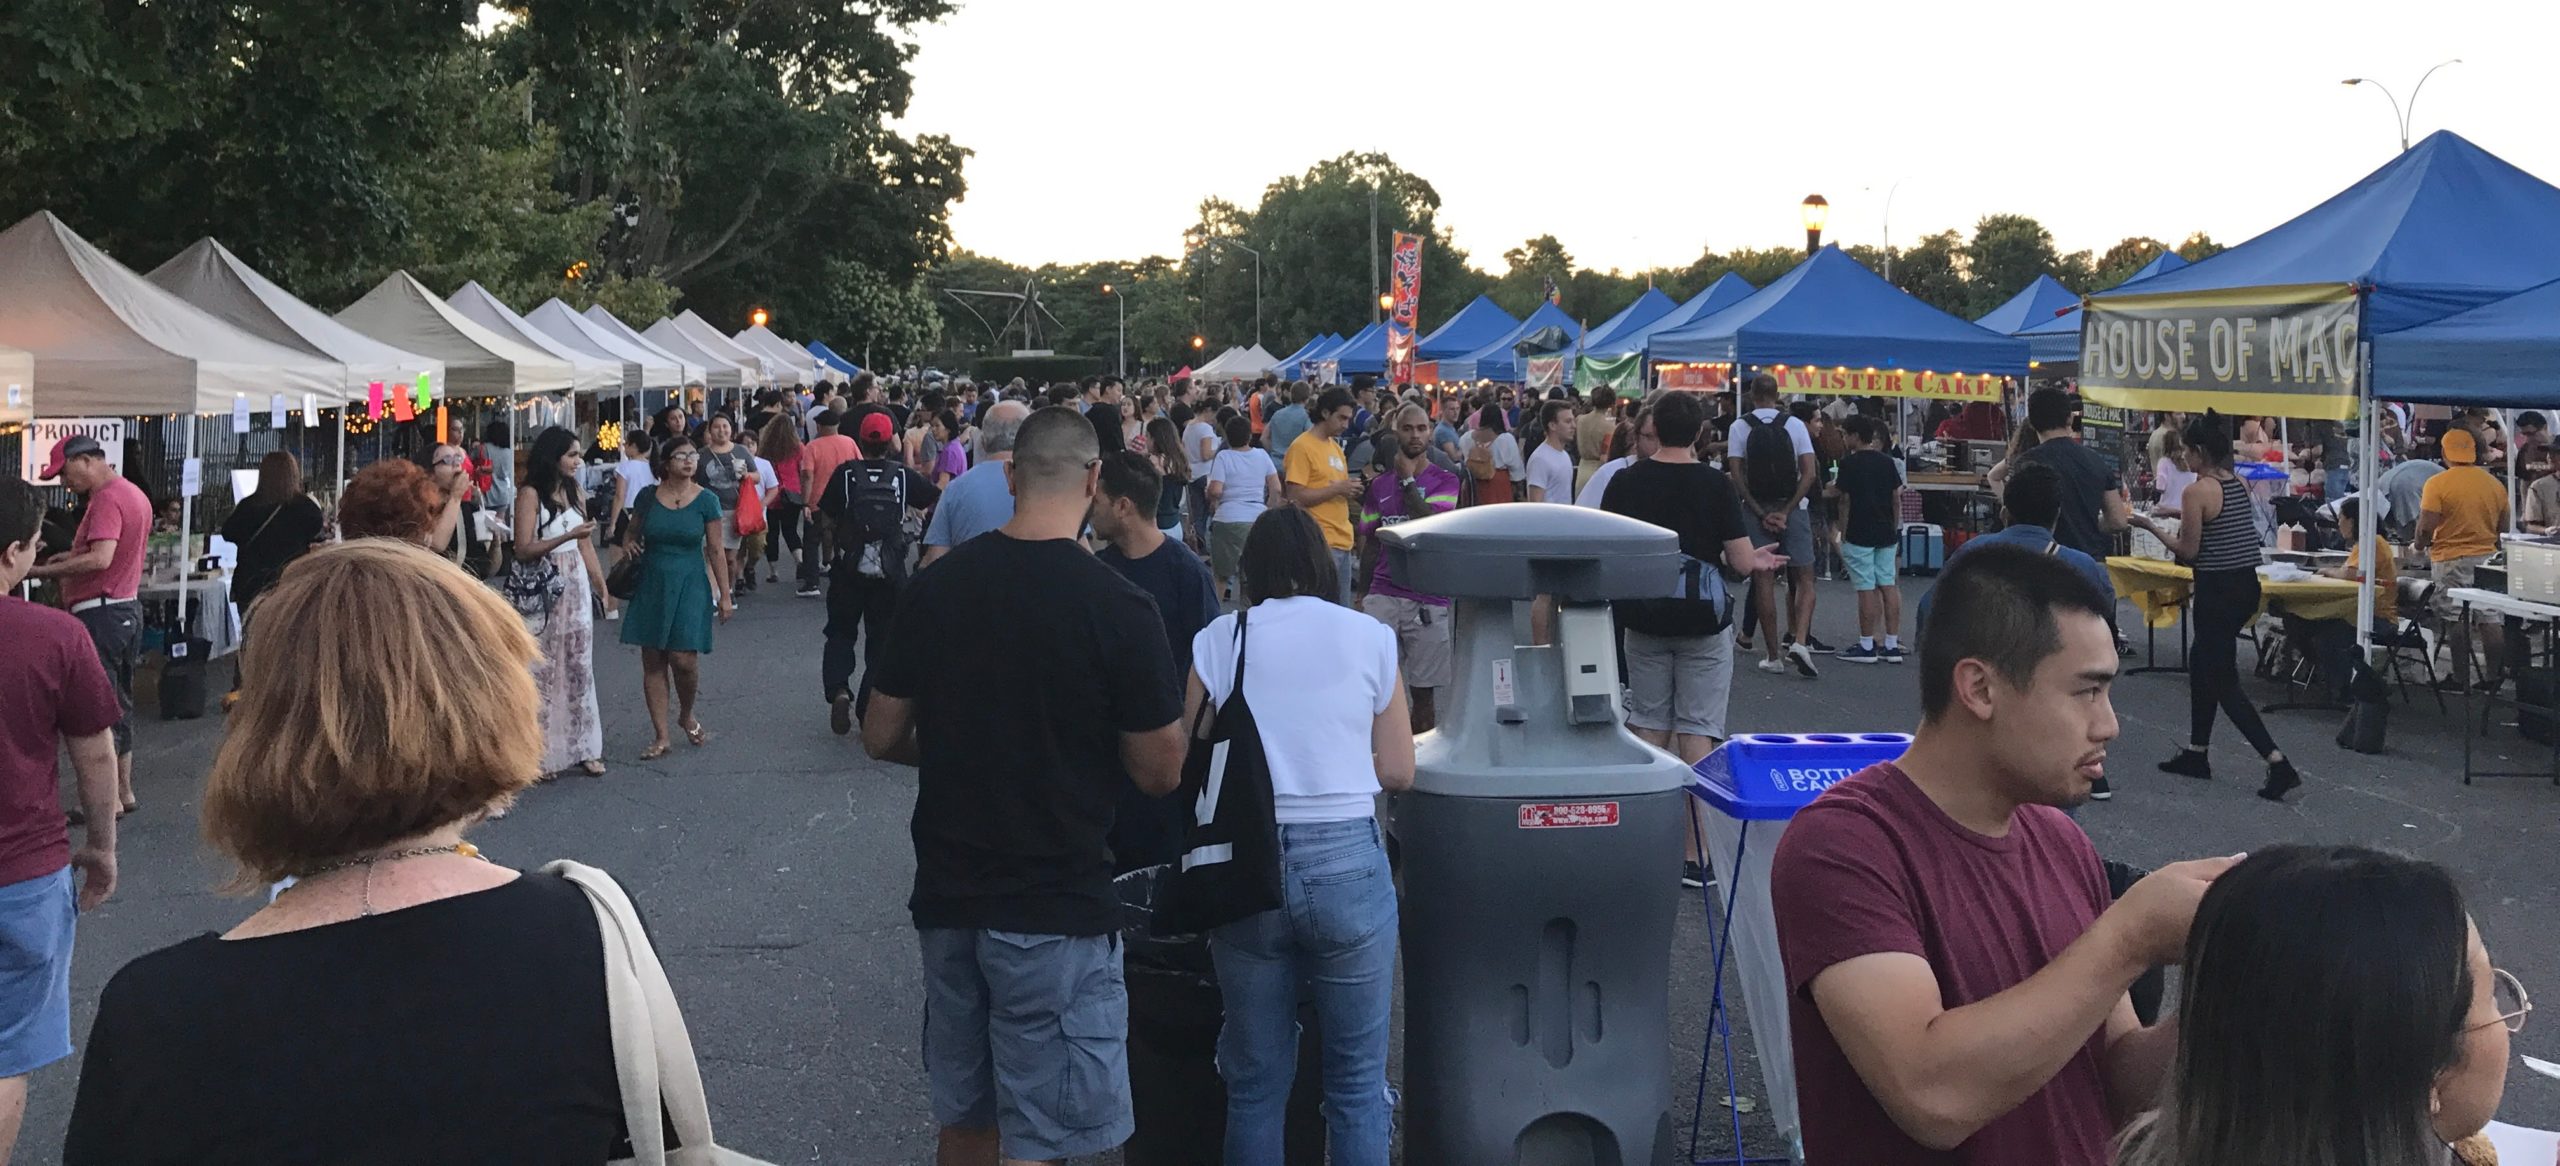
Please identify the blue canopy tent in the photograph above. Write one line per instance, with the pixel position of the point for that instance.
(1295, 367)
(1287, 366)
(2273, 323)
(1365, 352)
(1832, 311)
(1649, 307)
(2034, 304)
(2502, 353)
(1728, 289)
(1480, 323)
(2057, 341)
(831, 360)
(1496, 361)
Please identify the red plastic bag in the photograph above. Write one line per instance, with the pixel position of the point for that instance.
(750, 509)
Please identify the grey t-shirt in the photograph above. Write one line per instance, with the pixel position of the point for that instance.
(973, 504)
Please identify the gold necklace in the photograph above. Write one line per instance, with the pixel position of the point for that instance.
(365, 893)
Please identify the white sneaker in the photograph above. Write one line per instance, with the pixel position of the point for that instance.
(1772, 666)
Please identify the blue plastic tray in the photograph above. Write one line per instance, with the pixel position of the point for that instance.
(1767, 777)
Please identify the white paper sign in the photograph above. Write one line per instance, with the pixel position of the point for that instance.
(1504, 691)
(275, 411)
(41, 434)
(191, 481)
(239, 414)
(310, 409)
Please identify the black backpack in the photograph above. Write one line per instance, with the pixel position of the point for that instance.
(1768, 460)
(871, 533)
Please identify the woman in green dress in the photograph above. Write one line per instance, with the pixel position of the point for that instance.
(683, 581)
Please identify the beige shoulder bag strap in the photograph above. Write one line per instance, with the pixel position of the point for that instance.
(652, 1052)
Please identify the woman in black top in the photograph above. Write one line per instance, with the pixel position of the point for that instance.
(406, 1000)
(2219, 538)
(272, 527)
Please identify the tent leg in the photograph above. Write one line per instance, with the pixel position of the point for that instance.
(343, 475)
(2369, 529)
(186, 529)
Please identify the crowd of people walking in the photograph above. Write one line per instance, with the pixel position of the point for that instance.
(1210, 592)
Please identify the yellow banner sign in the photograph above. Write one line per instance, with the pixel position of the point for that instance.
(1801, 380)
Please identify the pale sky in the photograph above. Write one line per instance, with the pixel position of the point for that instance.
(1613, 124)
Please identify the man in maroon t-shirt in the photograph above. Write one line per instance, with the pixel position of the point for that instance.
(102, 574)
(1956, 974)
(52, 692)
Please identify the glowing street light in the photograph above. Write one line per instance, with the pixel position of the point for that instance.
(1817, 212)
(758, 317)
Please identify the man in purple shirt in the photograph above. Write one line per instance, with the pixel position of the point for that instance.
(1414, 488)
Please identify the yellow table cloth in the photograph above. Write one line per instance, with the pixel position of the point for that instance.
(2157, 587)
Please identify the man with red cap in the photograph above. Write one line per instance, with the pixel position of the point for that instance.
(101, 575)
(872, 503)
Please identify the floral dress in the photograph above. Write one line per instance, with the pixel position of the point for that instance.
(566, 673)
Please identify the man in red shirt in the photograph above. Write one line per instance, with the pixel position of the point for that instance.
(52, 692)
(102, 574)
(1957, 976)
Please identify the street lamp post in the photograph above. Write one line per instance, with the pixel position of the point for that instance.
(2400, 114)
(1817, 211)
(1123, 303)
(1257, 283)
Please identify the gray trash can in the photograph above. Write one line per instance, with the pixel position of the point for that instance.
(1541, 847)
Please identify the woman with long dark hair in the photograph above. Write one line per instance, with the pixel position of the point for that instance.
(551, 526)
(2337, 1008)
(1164, 448)
(1329, 674)
(272, 527)
(2218, 537)
(780, 444)
(1493, 457)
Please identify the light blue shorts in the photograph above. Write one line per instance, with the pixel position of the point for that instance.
(36, 921)
(1028, 1035)
(1869, 567)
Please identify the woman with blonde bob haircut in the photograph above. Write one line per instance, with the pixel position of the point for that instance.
(406, 999)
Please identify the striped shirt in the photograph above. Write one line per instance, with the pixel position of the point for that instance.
(2230, 539)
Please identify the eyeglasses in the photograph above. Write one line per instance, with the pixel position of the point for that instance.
(2507, 995)
(456, 460)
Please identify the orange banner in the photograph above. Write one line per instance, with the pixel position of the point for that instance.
(1801, 380)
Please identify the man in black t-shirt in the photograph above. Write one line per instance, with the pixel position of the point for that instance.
(1873, 486)
(1025, 729)
(2093, 507)
(1679, 649)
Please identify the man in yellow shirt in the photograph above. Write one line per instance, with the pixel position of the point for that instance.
(2461, 512)
(1321, 484)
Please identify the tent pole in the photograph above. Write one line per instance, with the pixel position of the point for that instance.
(342, 452)
(2507, 427)
(2369, 524)
(186, 528)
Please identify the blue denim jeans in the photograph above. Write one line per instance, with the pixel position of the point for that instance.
(1336, 932)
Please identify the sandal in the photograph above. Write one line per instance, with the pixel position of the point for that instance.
(655, 751)
(695, 734)
(592, 767)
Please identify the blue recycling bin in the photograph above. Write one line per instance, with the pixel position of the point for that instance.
(1755, 783)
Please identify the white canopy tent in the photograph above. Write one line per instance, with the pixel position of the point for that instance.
(478, 362)
(209, 276)
(17, 386)
(1237, 364)
(692, 372)
(717, 343)
(657, 370)
(777, 351)
(719, 372)
(109, 343)
(589, 372)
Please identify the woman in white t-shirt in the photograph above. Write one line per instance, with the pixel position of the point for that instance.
(1322, 679)
(1242, 483)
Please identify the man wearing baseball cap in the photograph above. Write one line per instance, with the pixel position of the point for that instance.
(870, 503)
(101, 575)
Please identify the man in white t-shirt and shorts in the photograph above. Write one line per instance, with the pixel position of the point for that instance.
(1775, 512)
(1550, 467)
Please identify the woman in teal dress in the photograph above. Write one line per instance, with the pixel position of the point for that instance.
(684, 577)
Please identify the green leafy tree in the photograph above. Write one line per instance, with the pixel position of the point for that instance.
(2006, 253)
(2199, 246)
(1934, 272)
(1313, 232)
(2128, 256)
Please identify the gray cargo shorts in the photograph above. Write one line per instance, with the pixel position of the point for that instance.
(1028, 1035)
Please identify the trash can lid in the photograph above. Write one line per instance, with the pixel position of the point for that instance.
(1524, 550)
(1763, 777)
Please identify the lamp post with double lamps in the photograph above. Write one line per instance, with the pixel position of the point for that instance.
(2400, 114)
(1123, 344)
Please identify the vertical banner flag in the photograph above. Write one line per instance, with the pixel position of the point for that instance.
(1547, 289)
(1407, 285)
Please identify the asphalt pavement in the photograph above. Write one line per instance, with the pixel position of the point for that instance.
(774, 865)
